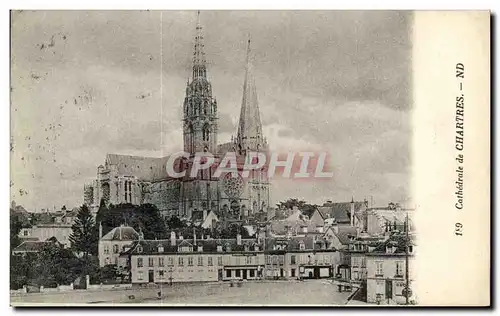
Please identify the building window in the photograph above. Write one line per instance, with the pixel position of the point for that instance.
(252, 273)
(181, 261)
(106, 249)
(140, 275)
(139, 249)
(219, 248)
(380, 268)
(228, 273)
(293, 259)
(363, 262)
(161, 262)
(238, 273)
(292, 273)
(190, 261)
(160, 249)
(219, 261)
(170, 261)
(139, 262)
(210, 262)
(115, 249)
(161, 273)
(200, 260)
(399, 268)
(302, 246)
(249, 260)
(151, 262)
(25, 233)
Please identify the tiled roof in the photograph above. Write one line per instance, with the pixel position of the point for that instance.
(144, 168)
(122, 233)
(399, 241)
(340, 211)
(34, 246)
(343, 237)
(293, 243)
(392, 215)
(279, 227)
(208, 245)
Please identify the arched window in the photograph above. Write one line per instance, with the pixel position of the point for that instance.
(206, 133)
(191, 137)
(205, 108)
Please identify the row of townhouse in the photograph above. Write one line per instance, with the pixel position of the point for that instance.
(197, 260)
(191, 260)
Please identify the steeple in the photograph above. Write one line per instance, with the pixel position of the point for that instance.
(250, 128)
(199, 62)
(200, 109)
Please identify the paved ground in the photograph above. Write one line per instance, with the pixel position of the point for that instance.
(312, 292)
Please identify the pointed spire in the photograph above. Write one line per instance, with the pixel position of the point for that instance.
(249, 127)
(199, 62)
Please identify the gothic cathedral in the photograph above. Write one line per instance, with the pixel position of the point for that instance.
(138, 180)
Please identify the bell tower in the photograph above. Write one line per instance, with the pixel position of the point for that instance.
(200, 109)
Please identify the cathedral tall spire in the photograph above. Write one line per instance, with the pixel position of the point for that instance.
(199, 62)
(250, 128)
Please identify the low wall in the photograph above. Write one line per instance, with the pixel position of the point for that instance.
(109, 286)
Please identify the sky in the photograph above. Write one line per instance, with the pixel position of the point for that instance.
(88, 83)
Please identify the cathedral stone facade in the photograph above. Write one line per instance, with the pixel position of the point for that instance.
(138, 180)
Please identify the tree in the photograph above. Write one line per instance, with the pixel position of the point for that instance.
(84, 235)
(147, 218)
(15, 228)
(303, 206)
(175, 222)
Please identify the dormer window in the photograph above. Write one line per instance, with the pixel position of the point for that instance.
(410, 249)
(200, 248)
(219, 248)
(185, 249)
(246, 247)
(139, 249)
(256, 248)
(302, 246)
(160, 248)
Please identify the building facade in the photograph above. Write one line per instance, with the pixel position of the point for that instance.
(138, 180)
(178, 260)
(387, 275)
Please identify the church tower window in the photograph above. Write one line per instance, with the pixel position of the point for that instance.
(206, 133)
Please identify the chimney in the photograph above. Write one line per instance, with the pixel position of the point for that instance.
(100, 230)
(172, 238)
(238, 239)
(204, 214)
(352, 211)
